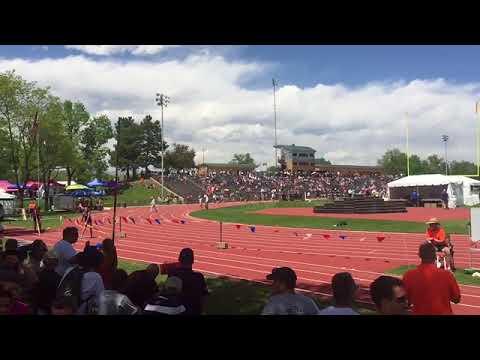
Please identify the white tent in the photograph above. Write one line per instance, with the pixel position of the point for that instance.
(8, 202)
(459, 188)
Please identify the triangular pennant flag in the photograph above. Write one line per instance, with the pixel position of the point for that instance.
(149, 221)
(124, 219)
(183, 221)
(362, 239)
(343, 237)
(175, 221)
(307, 236)
(252, 228)
(380, 238)
(326, 236)
(295, 233)
(132, 219)
(276, 230)
(237, 226)
(157, 221)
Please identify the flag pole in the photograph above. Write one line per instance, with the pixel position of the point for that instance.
(114, 220)
(407, 150)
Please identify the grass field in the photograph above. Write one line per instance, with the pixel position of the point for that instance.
(245, 215)
(136, 195)
(461, 277)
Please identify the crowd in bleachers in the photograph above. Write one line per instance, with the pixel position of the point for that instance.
(248, 186)
(62, 281)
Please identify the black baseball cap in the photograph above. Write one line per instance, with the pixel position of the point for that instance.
(283, 274)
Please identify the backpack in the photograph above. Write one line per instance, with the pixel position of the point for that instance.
(71, 286)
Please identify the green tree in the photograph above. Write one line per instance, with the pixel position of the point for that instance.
(129, 135)
(151, 144)
(94, 138)
(462, 168)
(15, 93)
(322, 161)
(434, 165)
(243, 159)
(394, 162)
(180, 157)
(75, 117)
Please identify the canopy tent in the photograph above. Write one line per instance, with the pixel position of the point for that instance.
(96, 183)
(8, 202)
(459, 188)
(6, 186)
(64, 183)
(85, 193)
(76, 187)
(5, 196)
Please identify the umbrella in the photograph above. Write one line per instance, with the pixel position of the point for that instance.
(96, 182)
(76, 187)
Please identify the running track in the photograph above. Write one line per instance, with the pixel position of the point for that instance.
(252, 255)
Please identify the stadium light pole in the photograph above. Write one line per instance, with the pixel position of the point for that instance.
(445, 140)
(477, 111)
(162, 101)
(407, 140)
(275, 84)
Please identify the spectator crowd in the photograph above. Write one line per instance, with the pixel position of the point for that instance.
(244, 186)
(62, 281)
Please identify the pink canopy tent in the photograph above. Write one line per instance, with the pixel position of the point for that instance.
(6, 186)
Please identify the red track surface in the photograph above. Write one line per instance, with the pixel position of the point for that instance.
(419, 214)
(252, 255)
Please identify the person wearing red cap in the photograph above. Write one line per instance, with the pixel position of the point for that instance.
(430, 290)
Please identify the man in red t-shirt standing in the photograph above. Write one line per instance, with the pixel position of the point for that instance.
(430, 290)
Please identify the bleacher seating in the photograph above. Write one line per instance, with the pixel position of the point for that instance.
(362, 205)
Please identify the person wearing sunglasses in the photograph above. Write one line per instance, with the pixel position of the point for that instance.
(389, 296)
(430, 290)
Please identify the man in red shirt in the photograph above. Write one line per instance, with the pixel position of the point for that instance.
(436, 234)
(430, 290)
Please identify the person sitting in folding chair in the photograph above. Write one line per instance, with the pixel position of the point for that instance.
(437, 236)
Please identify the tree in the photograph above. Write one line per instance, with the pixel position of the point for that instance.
(151, 143)
(129, 134)
(55, 145)
(243, 159)
(394, 162)
(434, 165)
(5, 160)
(180, 157)
(75, 116)
(14, 94)
(322, 161)
(94, 137)
(462, 168)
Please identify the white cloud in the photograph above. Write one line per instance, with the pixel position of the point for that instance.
(211, 109)
(117, 49)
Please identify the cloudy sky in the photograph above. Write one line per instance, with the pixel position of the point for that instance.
(347, 102)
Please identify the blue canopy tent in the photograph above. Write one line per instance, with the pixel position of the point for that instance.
(85, 193)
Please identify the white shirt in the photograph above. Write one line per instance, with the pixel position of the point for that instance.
(333, 310)
(152, 203)
(65, 252)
